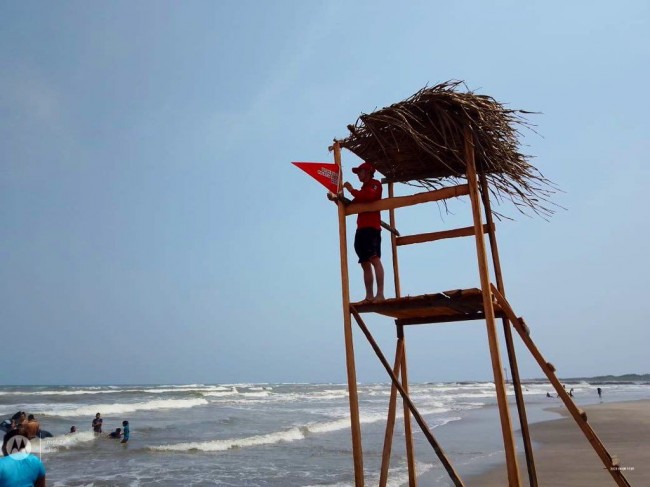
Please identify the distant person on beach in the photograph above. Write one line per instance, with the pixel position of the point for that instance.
(30, 428)
(367, 240)
(125, 436)
(18, 467)
(600, 393)
(571, 392)
(73, 429)
(116, 434)
(97, 423)
(548, 394)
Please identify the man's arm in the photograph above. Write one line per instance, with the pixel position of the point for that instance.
(338, 197)
(40, 481)
(367, 193)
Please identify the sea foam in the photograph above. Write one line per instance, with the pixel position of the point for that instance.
(56, 443)
(110, 409)
(292, 434)
(228, 444)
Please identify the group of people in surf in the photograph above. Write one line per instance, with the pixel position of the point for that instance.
(25, 425)
(19, 430)
(30, 470)
(122, 433)
(28, 426)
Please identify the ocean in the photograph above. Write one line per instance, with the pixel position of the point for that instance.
(245, 435)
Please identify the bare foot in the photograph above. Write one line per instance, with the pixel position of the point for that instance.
(379, 297)
(365, 300)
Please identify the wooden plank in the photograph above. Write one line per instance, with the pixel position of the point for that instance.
(390, 420)
(393, 245)
(433, 236)
(493, 342)
(415, 302)
(335, 198)
(408, 431)
(464, 305)
(357, 452)
(441, 304)
(418, 312)
(403, 303)
(433, 320)
(390, 228)
(549, 371)
(402, 201)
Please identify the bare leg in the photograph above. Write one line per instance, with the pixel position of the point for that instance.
(379, 272)
(368, 279)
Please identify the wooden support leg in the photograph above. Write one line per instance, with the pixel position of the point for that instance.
(521, 407)
(493, 342)
(355, 422)
(512, 358)
(416, 414)
(576, 413)
(390, 421)
(408, 432)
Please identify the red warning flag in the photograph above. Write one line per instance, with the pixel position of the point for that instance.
(326, 173)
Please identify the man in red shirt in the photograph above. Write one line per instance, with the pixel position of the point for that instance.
(367, 240)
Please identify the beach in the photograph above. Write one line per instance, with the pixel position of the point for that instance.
(564, 457)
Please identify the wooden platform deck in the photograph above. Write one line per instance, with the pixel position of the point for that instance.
(444, 307)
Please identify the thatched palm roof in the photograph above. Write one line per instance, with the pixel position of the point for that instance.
(420, 141)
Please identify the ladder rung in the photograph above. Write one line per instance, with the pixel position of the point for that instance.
(402, 201)
(430, 237)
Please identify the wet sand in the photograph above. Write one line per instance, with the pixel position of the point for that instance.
(564, 457)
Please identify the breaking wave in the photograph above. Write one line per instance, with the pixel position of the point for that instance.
(109, 409)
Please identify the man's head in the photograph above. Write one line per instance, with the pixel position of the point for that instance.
(30, 417)
(365, 172)
(97, 415)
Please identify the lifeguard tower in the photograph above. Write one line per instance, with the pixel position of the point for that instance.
(451, 144)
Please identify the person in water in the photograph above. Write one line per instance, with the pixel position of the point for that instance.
(73, 429)
(116, 434)
(30, 428)
(125, 436)
(19, 418)
(97, 423)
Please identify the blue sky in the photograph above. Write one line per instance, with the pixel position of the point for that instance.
(153, 230)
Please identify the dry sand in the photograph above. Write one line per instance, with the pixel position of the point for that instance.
(564, 457)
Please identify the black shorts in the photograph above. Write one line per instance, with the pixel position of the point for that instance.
(367, 243)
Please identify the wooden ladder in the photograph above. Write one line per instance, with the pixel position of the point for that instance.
(611, 463)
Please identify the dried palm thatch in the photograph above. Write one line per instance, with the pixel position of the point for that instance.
(420, 141)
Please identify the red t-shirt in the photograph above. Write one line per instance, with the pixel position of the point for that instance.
(370, 191)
